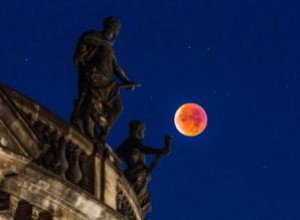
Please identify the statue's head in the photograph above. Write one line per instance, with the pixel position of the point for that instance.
(112, 25)
(137, 129)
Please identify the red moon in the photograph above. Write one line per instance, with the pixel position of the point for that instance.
(190, 119)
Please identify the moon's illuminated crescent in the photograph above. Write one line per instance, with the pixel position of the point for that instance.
(190, 119)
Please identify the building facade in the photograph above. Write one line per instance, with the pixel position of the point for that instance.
(48, 170)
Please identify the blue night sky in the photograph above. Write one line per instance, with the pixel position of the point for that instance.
(237, 59)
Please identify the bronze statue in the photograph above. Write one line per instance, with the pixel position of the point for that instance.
(133, 152)
(99, 103)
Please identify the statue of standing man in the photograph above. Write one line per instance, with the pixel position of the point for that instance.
(99, 103)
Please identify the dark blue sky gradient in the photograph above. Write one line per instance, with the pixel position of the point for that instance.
(238, 59)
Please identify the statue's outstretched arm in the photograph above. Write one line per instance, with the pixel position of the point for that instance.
(149, 150)
(166, 150)
(119, 71)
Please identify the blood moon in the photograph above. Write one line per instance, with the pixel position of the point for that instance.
(190, 119)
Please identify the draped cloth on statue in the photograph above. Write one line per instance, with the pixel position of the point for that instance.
(140, 178)
(99, 98)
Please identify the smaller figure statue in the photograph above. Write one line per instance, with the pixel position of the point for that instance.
(133, 152)
(99, 103)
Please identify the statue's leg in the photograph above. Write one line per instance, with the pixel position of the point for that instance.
(140, 180)
(77, 117)
(114, 112)
(89, 126)
(76, 121)
(143, 193)
(82, 83)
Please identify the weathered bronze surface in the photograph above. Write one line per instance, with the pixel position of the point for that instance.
(99, 103)
(133, 152)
